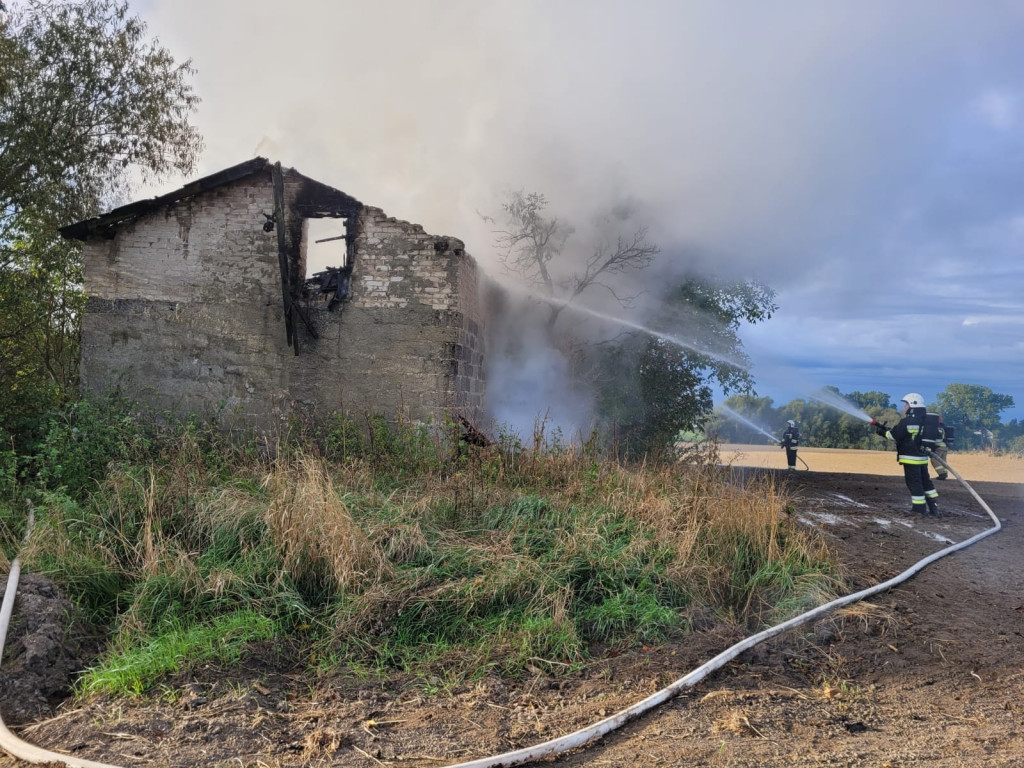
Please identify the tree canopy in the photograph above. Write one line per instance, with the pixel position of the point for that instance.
(975, 410)
(972, 405)
(87, 104)
(652, 386)
(647, 384)
(85, 98)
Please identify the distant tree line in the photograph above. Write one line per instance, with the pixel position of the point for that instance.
(972, 410)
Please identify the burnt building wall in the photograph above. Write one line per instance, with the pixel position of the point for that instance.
(409, 339)
(185, 311)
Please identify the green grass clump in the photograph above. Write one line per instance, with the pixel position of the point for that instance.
(175, 649)
(391, 548)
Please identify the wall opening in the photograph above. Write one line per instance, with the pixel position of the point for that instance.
(326, 244)
(327, 255)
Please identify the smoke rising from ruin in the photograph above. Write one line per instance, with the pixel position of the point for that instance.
(813, 148)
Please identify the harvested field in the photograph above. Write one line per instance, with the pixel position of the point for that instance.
(973, 467)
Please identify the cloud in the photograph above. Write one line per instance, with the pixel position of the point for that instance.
(998, 108)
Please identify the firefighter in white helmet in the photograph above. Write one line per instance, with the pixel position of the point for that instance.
(790, 441)
(912, 455)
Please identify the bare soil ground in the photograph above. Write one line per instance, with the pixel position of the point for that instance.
(930, 673)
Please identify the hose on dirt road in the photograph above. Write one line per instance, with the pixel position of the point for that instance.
(11, 743)
(580, 738)
(609, 724)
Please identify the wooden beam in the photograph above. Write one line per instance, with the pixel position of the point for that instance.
(282, 257)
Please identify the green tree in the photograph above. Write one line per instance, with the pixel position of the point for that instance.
(1010, 437)
(821, 425)
(40, 303)
(652, 386)
(870, 399)
(759, 411)
(87, 103)
(974, 411)
(648, 386)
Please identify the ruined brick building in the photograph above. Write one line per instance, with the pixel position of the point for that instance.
(198, 301)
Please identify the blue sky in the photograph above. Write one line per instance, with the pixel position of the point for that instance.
(862, 157)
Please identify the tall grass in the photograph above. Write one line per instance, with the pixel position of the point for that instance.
(407, 552)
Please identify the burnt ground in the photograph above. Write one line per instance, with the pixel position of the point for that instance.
(930, 673)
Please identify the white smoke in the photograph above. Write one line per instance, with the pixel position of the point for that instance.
(827, 149)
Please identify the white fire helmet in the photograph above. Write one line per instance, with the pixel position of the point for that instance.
(914, 400)
(791, 423)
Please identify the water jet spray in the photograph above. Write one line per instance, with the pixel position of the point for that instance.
(675, 340)
(834, 400)
(738, 417)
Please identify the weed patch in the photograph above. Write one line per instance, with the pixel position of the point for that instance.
(392, 547)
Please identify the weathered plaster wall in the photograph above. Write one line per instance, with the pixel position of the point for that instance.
(185, 310)
(409, 339)
(184, 306)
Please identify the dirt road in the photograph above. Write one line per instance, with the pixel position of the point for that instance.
(930, 673)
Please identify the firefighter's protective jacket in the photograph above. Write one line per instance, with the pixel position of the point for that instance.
(791, 438)
(905, 435)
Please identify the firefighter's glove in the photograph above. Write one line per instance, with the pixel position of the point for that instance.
(881, 429)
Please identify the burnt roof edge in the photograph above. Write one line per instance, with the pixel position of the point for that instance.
(106, 223)
(83, 230)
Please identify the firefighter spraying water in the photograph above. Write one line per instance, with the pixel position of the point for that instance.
(915, 435)
(791, 460)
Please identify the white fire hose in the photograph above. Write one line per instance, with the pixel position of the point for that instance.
(29, 753)
(609, 724)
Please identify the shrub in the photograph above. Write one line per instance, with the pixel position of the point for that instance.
(82, 440)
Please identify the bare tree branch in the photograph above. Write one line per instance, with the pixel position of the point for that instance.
(530, 244)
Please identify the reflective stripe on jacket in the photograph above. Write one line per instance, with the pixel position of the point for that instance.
(904, 434)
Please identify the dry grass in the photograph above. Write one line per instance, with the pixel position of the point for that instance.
(868, 616)
(314, 530)
(495, 560)
(736, 723)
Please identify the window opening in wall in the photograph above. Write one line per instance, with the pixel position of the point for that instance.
(328, 265)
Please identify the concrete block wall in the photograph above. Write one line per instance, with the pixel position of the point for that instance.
(185, 310)
(409, 341)
(184, 307)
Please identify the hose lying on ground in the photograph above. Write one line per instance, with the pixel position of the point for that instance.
(609, 724)
(32, 754)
